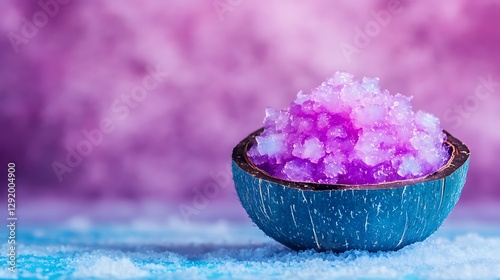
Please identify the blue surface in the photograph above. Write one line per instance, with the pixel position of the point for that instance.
(175, 250)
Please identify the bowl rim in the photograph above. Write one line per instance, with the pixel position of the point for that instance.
(459, 155)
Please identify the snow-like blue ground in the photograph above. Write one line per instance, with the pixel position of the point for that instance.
(223, 250)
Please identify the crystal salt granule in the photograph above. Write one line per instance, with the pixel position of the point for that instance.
(349, 132)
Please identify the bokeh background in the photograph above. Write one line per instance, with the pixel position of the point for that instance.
(67, 66)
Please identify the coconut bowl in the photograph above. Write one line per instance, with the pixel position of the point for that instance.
(327, 217)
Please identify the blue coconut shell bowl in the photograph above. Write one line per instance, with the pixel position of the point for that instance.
(386, 216)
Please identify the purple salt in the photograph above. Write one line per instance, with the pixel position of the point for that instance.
(349, 132)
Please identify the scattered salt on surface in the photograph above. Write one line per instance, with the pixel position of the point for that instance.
(102, 266)
(163, 253)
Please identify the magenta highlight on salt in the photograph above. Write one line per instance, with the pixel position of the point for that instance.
(349, 132)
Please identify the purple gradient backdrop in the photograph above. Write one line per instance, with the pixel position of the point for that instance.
(225, 67)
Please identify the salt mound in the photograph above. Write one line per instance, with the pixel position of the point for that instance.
(349, 132)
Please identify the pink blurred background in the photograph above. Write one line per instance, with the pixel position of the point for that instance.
(66, 67)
